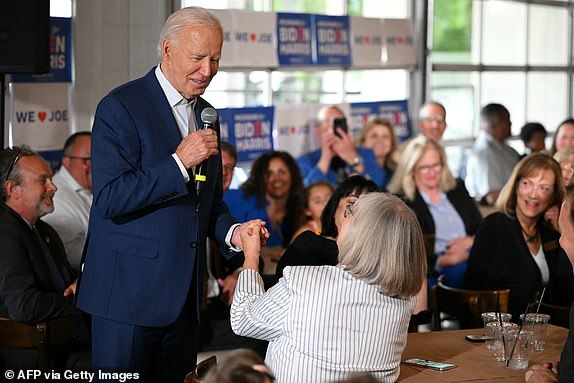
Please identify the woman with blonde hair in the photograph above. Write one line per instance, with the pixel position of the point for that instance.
(379, 136)
(515, 248)
(448, 216)
(326, 323)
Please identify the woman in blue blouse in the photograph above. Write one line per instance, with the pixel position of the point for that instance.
(273, 194)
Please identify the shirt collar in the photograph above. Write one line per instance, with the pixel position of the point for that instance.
(428, 201)
(67, 177)
(173, 96)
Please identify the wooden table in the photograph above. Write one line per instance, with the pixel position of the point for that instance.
(473, 359)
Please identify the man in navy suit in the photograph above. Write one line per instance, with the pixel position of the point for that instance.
(144, 258)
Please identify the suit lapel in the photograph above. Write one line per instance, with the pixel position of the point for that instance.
(161, 110)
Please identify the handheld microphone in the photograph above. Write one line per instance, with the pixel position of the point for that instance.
(208, 119)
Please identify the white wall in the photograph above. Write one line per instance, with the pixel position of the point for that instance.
(114, 42)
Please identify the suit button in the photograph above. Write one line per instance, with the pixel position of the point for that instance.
(193, 244)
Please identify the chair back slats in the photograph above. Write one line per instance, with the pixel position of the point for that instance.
(466, 305)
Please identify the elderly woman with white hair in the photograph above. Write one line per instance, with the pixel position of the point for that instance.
(325, 323)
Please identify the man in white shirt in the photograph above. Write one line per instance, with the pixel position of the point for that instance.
(74, 198)
(492, 160)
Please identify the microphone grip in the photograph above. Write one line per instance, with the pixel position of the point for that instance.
(201, 170)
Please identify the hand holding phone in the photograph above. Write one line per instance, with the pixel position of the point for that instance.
(340, 123)
(429, 364)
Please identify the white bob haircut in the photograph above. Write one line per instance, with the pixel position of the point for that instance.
(185, 17)
(383, 245)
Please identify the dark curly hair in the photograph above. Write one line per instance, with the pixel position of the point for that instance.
(255, 186)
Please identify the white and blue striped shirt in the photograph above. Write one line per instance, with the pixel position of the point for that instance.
(323, 324)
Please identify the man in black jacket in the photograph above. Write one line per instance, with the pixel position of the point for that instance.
(36, 280)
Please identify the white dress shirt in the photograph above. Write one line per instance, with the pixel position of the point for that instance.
(71, 215)
(322, 324)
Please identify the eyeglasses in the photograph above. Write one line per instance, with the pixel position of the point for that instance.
(428, 168)
(438, 119)
(348, 210)
(13, 164)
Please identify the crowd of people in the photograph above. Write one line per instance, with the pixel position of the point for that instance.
(139, 235)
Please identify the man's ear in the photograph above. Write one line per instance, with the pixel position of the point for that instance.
(9, 187)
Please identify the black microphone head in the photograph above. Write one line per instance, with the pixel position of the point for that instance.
(209, 116)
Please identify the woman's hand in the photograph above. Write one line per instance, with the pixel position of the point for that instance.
(250, 233)
(456, 252)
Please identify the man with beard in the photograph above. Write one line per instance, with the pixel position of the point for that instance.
(74, 198)
(36, 281)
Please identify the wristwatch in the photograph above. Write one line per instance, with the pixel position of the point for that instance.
(357, 161)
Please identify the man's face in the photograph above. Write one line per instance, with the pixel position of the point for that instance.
(501, 125)
(432, 123)
(192, 60)
(78, 162)
(326, 119)
(32, 198)
(228, 164)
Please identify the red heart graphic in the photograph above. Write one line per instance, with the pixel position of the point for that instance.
(42, 116)
(253, 36)
(292, 130)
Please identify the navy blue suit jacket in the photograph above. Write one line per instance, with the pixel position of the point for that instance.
(145, 249)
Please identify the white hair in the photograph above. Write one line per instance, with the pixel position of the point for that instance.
(185, 17)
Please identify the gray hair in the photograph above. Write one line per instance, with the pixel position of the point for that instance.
(422, 113)
(384, 245)
(10, 166)
(183, 18)
(403, 181)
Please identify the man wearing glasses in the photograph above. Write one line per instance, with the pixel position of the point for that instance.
(74, 198)
(432, 124)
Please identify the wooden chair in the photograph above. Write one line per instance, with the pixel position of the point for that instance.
(559, 315)
(201, 370)
(466, 305)
(41, 336)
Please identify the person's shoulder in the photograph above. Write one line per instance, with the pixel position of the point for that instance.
(312, 156)
(497, 219)
(310, 274)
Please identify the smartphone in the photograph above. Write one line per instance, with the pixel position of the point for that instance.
(340, 123)
(477, 337)
(429, 364)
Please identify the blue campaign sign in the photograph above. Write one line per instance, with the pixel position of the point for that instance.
(60, 54)
(251, 131)
(395, 111)
(294, 39)
(224, 124)
(332, 40)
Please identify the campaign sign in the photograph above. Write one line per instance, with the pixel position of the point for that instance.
(251, 131)
(397, 112)
(294, 127)
(40, 115)
(224, 123)
(60, 54)
(294, 34)
(398, 43)
(366, 41)
(332, 40)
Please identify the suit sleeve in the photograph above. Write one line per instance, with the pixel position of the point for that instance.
(122, 182)
(19, 290)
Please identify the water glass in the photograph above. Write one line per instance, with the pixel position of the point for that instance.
(488, 317)
(517, 346)
(495, 331)
(537, 323)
